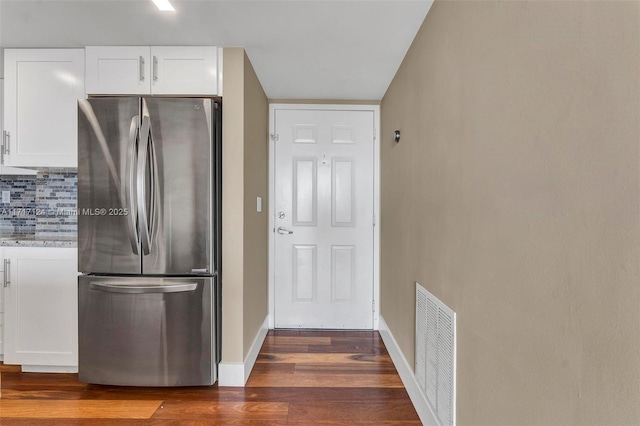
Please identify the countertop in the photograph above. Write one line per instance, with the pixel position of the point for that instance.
(33, 240)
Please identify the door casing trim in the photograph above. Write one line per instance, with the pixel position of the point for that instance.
(376, 197)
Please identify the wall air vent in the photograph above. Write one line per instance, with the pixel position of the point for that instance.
(435, 358)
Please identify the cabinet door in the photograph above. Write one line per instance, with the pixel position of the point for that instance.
(41, 307)
(42, 88)
(1, 306)
(184, 70)
(5, 170)
(118, 70)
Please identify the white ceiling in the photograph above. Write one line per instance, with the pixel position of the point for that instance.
(300, 49)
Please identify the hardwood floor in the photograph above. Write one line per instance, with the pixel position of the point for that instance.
(300, 378)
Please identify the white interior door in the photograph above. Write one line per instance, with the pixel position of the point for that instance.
(324, 207)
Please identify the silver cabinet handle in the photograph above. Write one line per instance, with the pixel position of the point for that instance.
(141, 63)
(142, 289)
(6, 147)
(155, 68)
(7, 144)
(283, 231)
(7, 275)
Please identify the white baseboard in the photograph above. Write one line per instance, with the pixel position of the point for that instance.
(237, 374)
(48, 369)
(405, 371)
(230, 374)
(252, 356)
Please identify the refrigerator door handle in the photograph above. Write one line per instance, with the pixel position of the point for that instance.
(153, 187)
(142, 289)
(143, 153)
(130, 184)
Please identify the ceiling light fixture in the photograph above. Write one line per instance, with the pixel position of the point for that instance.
(164, 5)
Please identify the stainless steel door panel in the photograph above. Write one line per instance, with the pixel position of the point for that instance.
(107, 239)
(146, 331)
(178, 199)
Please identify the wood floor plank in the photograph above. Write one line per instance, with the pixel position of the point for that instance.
(276, 411)
(282, 332)
(289, 394)
(331, 358)
(348, 349)
(60, 393)
(274, 348)
(70, 409)
(269, 368)
(352, 368)
(345, 411)
(339, 333)
(326, 380)
(375, 341)
(295, 341)
(49, 380)
(209, 393)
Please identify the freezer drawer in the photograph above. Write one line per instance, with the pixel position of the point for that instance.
(146, 331)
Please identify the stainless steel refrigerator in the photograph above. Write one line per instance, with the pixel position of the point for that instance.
(149, 233)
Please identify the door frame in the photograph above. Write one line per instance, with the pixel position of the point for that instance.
(376, 196)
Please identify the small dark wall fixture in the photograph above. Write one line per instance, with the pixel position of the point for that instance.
(396, 136)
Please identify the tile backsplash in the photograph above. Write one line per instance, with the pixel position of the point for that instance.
(44, 204)
(18, 216)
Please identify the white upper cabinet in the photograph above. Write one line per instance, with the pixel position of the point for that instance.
(4, 170)
(41, 92)
(118, 70)
(184, 70)
(155, 70)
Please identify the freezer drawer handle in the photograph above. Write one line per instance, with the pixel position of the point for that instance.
(142, 289)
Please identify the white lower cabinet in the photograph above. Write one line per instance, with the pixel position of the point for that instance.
(1, 308)
(41, 308)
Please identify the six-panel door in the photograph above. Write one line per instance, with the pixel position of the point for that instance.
(324, 219)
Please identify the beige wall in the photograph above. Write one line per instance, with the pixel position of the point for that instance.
(513, 196)
(244, 233)
(233, 205)
(256, 178)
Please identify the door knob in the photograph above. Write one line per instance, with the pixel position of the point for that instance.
(284, 231)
